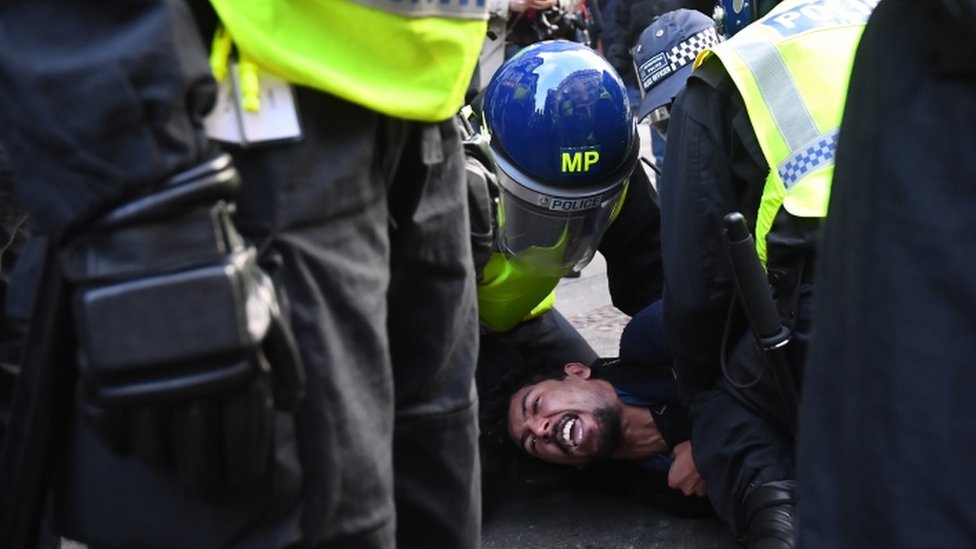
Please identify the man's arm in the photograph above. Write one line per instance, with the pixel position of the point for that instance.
(683, 474)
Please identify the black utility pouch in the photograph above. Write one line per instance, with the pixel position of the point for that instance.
(173, 335)
(183, 349)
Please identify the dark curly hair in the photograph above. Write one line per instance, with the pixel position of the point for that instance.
(495, 401)
(502, 461)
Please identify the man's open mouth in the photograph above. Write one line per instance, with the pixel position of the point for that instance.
(568, 433)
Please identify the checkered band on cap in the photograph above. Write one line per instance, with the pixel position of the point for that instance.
(653, 67)
(686, 51)
(817, 154)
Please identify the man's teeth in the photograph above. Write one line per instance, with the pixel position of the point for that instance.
(568, 431)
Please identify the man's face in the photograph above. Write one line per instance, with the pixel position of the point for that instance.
(569, 421)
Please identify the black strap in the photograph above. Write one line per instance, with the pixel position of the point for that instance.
(39, 410)
(787, 287)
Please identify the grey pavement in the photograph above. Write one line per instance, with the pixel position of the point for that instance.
(563, 515)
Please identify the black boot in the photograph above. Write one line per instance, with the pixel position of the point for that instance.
(769, 515)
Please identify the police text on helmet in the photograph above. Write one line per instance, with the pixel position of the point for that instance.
(569, 205)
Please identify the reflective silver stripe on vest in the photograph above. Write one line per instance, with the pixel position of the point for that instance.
(454, 9)
(808, 147)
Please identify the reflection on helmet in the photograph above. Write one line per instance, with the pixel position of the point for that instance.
(565, 143)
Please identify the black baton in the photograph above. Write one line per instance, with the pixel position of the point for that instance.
(757, 299)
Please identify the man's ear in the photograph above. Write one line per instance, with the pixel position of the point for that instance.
(577, 369)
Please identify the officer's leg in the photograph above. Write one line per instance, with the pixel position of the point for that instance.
(433, 342)
(744, 451)
(329, 225)
(736, 454)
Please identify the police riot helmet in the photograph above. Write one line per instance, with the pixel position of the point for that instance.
(564, 143)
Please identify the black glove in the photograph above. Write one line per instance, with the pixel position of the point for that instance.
(183, 351)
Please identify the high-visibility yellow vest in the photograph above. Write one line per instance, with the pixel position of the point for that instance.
(508, 296)
(403, 58)
(792, 69)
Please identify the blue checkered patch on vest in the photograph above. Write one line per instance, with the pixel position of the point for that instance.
(816, 155)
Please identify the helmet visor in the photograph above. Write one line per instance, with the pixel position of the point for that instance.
(555, 236)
